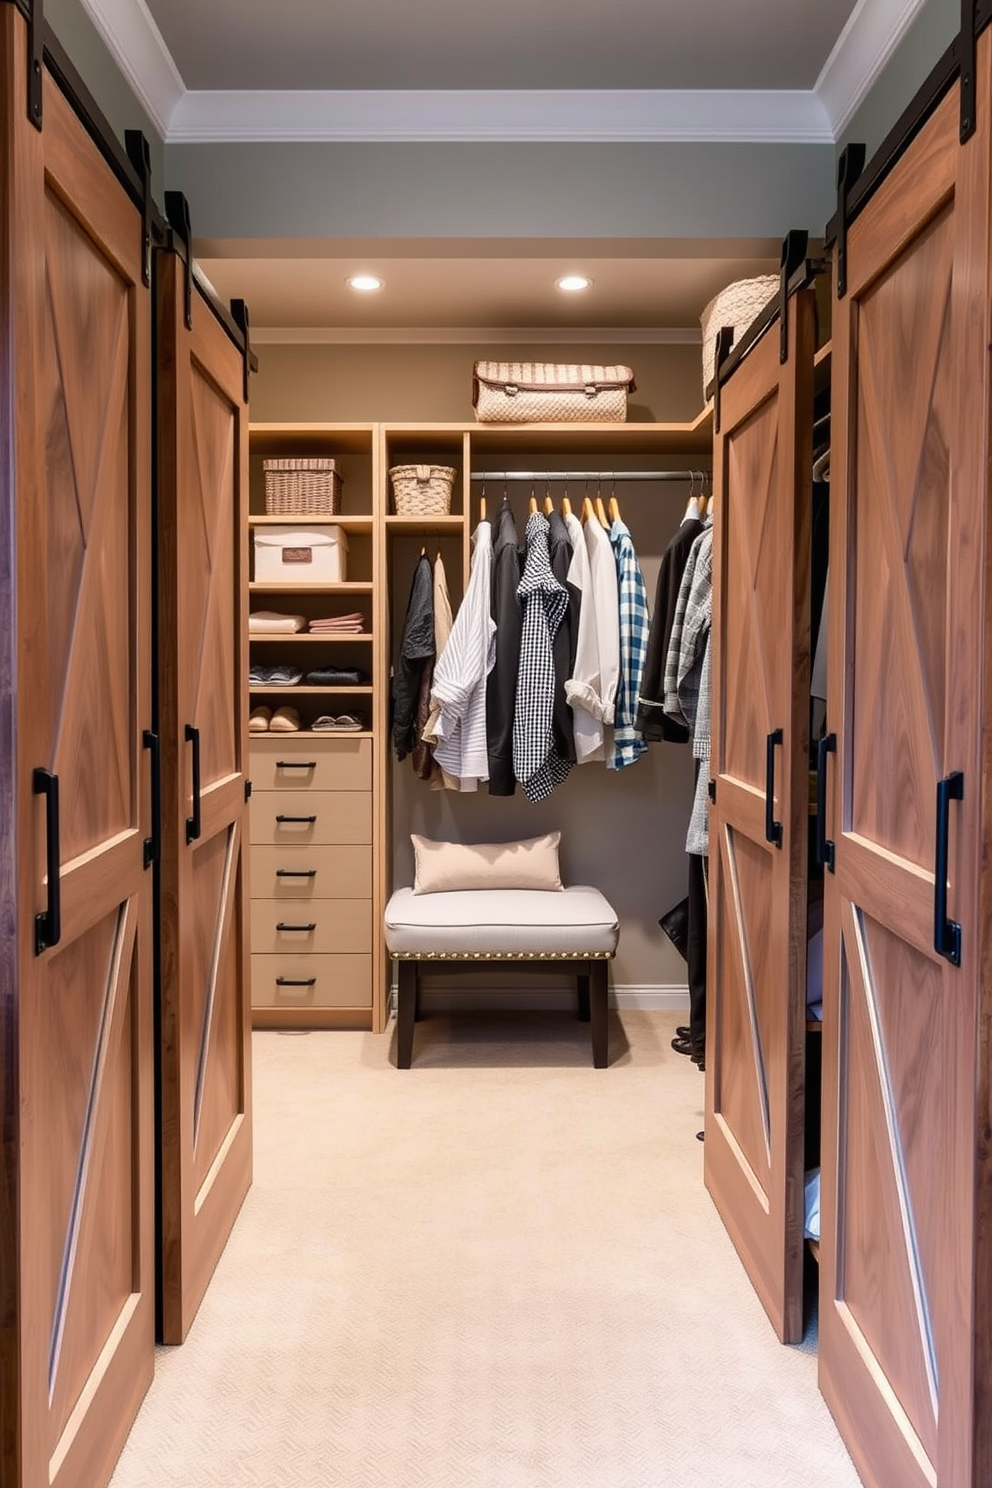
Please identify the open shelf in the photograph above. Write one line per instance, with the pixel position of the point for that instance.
(272, 688)
(315, 519)
(273, 587)
(307, 637)
(425, 524)
(284, 735)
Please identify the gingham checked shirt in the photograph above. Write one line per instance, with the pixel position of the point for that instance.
(628, 744)
(536, 763)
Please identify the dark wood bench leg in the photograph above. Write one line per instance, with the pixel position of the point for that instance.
(406, 1013)
(599, 986)
(582, 982)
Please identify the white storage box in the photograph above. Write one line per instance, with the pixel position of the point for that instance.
(301, 555)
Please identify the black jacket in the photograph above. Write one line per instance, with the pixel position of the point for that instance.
(566, 639)
(651, 720)
(501, 687)
(416, 652)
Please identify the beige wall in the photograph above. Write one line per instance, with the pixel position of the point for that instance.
(622, 831)
(434, 383)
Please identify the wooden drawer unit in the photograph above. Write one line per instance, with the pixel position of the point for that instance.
(291, 764)
(311, 873)
(297, 818)
(327, 926)
(311, 981)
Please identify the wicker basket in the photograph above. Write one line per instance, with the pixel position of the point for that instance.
(736, 306)
(422, 490)
(302, 488)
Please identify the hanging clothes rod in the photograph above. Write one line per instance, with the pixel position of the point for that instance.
(588, 475)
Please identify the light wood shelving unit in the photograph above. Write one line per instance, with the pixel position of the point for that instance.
(383, 549)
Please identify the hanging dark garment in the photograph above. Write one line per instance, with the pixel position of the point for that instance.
(651, 720)
(566, 639)
(501, 688)
(416, 651)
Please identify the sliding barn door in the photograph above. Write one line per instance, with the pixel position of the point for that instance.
(78, 1305)
(756, 993)
(908, 494)
(203, 620)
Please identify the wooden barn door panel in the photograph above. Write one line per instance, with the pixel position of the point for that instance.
(80, 353)
(756, 964)
(900, 1019)
(206, 1076)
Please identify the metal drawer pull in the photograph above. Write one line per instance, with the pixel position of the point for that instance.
(946, 933)
(773, 828)
(296, 873)
(296, 981)
(309, 820)
(296, 764)
(303, 929)
(48, 926)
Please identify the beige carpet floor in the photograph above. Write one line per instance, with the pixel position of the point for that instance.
(499, 1269)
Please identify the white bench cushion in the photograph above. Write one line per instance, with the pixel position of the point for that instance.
(514, 922)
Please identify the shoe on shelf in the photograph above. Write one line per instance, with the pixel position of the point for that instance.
(259, 720)
(285, 721)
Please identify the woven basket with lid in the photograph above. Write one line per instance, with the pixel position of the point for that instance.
(300, 487)
(422, 490)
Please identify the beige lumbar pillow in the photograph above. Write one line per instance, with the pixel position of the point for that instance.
(445, 866)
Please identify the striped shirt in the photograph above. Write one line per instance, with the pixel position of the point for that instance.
(459, 689)
(536, 762)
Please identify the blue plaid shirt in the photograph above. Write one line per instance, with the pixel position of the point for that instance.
(628, 744)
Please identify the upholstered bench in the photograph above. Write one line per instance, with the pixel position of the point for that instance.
(573, 930)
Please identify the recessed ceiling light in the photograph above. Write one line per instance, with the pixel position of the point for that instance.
(365, 283)
(572, 283)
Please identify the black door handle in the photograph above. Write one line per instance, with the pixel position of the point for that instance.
(946, 933)
(303, 929)
(153, 844)
(296, 981)
(48, 925)
(193, 824)
(296, 873)
(825, 848)
(309, 820)
(773, 828)
(296, 764)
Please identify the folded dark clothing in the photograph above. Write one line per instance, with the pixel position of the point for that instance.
(336, 677)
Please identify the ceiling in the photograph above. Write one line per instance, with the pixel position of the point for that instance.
(467, 44)
(473, 286)
(362, 70)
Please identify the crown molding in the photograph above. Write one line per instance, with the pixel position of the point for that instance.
(874, 29)
(815, 116)
(504, 116)
(138, 47)
(476, 336)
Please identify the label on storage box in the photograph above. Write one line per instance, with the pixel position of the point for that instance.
(297, 555)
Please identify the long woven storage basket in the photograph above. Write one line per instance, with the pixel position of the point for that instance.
(550, 392)
(300, 487)
(422, 490)
(737, 305)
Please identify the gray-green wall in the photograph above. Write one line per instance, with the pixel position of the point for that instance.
(931, 33)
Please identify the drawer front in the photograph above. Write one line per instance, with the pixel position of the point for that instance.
(288, 764)
(311, 873)
(334, 926)
(297, 818)
(311, 981)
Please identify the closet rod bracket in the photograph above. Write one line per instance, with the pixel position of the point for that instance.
(849, 168)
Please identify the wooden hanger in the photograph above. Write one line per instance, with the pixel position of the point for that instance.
(588, 510)
(601, 511)
(549, 506)
(532, 505)
(482, 508)
(614, 510)
(566, 507)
